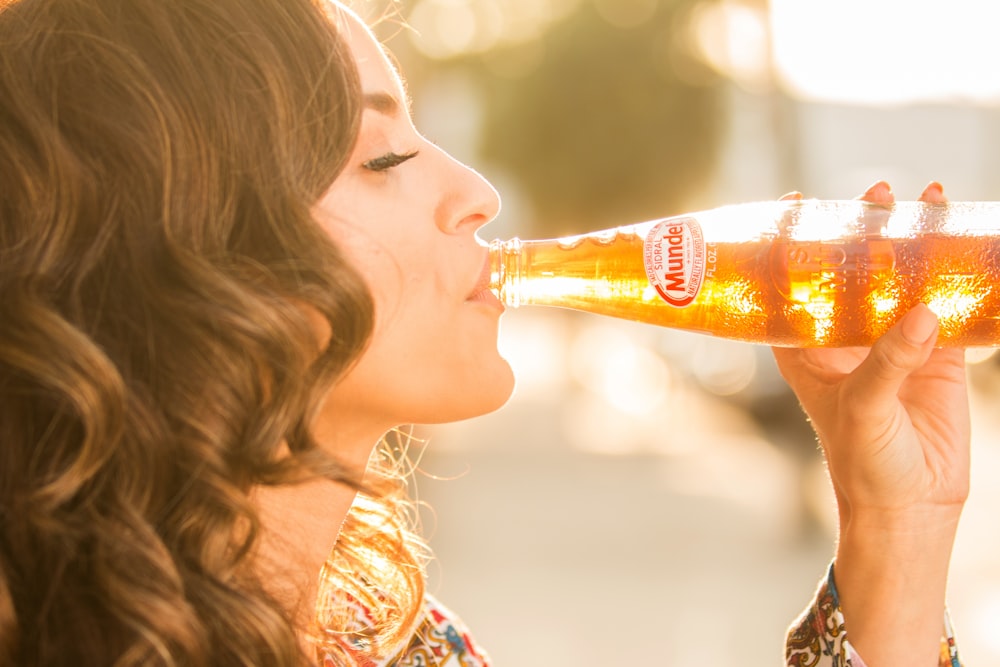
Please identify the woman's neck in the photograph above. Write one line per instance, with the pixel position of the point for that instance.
(300, 524)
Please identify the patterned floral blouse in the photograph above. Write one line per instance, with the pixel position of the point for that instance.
(816, 639)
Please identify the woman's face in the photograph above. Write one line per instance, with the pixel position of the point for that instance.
(406, 214)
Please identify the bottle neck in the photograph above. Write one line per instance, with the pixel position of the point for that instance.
(505, 270)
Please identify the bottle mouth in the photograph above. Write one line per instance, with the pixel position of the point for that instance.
(505, 266)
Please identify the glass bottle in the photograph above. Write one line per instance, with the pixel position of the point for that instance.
(801, 273)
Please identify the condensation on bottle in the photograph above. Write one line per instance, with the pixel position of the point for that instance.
(806, 273)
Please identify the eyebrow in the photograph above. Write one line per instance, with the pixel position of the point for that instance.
(382, 102)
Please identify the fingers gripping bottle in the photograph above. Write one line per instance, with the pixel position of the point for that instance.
(806, 273)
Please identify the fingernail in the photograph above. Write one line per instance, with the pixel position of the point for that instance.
(878, 192)
(919, 325)
(878, 186)
(933, 194)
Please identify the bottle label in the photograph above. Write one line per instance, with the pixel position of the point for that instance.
(674, 255)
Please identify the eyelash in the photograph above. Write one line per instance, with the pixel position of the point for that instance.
(388, 161)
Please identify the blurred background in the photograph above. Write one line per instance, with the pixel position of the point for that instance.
(649, 496)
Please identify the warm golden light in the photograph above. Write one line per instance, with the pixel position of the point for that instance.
(732, 38)
(887, 51)
(955, 298)
(737, 297)
(883, 303)
(559, 287)
(821, 310)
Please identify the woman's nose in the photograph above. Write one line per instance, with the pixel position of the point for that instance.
(470, 201)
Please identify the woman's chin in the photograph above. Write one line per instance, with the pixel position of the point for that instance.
(490, 392)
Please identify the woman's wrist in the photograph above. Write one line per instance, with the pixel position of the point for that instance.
(902, 528)
(891, 577)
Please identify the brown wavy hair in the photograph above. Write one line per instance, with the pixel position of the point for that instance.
(158, 268)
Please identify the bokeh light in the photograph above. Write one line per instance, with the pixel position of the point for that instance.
(443, 29)
(732, 38)
(887, 51)
(620, 369)
(626, 13)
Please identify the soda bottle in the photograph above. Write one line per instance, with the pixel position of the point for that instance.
(804, 273)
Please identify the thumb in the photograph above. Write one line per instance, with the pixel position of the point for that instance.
(902, 350)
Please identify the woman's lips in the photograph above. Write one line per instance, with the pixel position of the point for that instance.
(482, 292)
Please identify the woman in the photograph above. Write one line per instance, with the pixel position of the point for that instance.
(230, 265)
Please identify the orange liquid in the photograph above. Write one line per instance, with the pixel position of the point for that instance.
(781, 292)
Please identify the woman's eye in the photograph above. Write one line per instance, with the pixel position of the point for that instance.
(388, 161)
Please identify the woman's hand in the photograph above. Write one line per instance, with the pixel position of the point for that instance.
(893, 421)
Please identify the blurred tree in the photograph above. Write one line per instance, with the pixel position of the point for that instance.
(604, 130)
